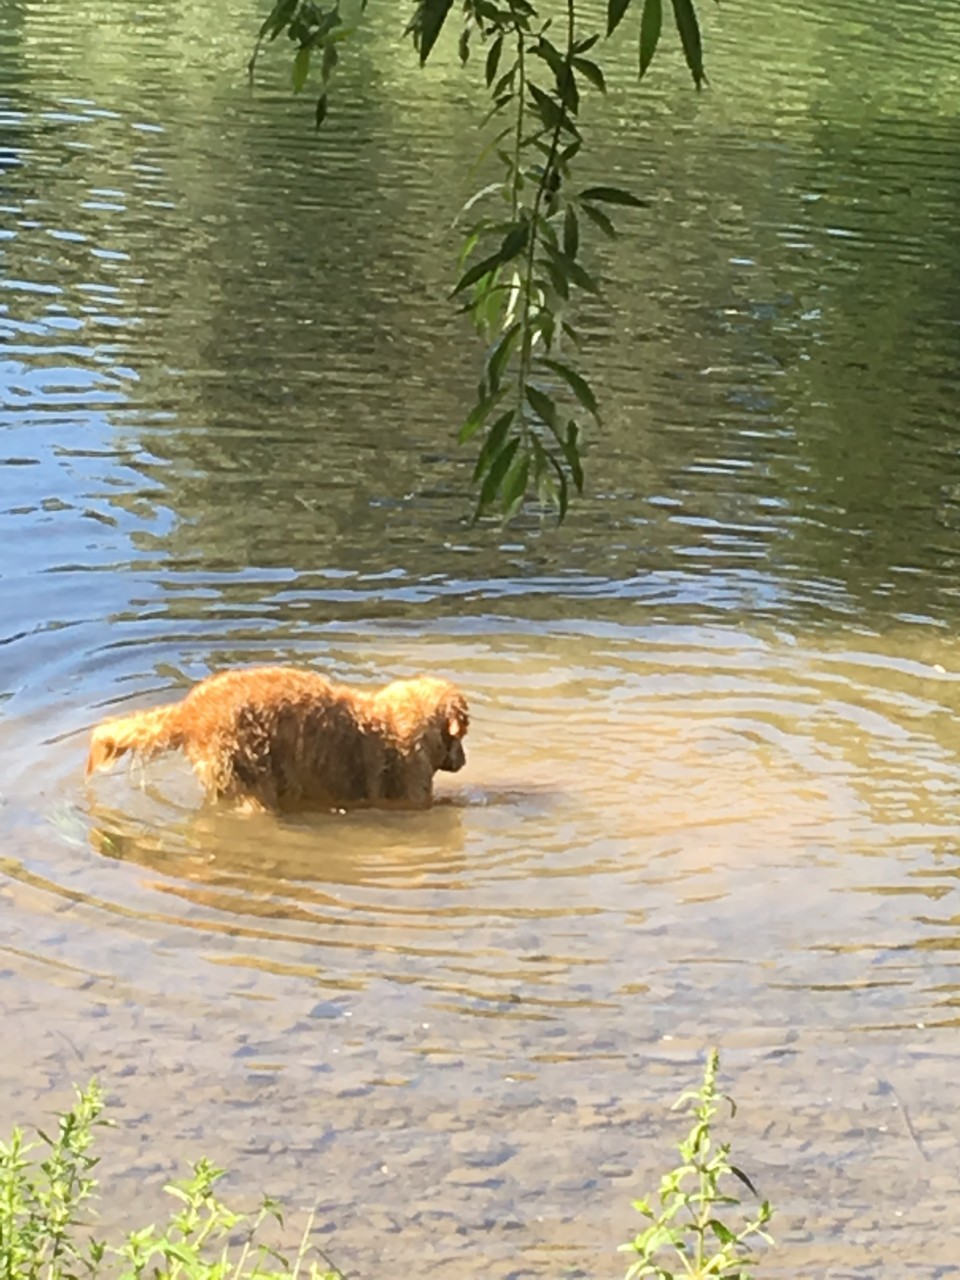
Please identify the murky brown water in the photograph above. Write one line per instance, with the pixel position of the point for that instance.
(712, 791)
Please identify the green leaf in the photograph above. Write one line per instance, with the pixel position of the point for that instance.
(550, 112)
(563, 500)
(478, 271)
(498, 468)
(432, 15)
(552, 57)
(505, 83)
(570, 150)
(277, 18)
(568, 92)
(477, 416)
(583, 46)
(686, 19)
(181, 1252)
(590, 71)
(321, 112)
(571, 451)
(577, 384)
(301, 68)
(580, 277)
(515, 486)
(330, 59)
(513, 244)
(542, 405)
(463, 47)
(722, 1232)
(493, 59)
(558, 278)
(571, 233)
(494, 442)
(600, 219)
(500, 355)
(515, 241)
(738, 1173)
(573, 272)
(613, 195)
(651, 22)
(615, 11)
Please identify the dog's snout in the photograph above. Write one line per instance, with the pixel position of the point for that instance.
(455, 758)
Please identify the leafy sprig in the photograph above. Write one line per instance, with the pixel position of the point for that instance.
(522, 261)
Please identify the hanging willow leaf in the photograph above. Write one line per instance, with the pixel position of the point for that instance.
(552, 57)
(321, 112)
(590, 71)
(571, 233)
(477, 272)
(569, 93)
(505, 83)
(689, 28)
(571, 451)
(577, 384)
(563, 497)
(651, 22)
(515, 486)
(432, 15)
(493, 60)
(550, 112)
(301, 68)
(500, 355)
(330, 59)
(513, 243)
(600, 219)
(498, 469)
(614, 195)
(277, 18)
(493, 442)
(615, 11)
(583, 46)
(558, 278)
(478, 415)
(543, 406)
(581, 277)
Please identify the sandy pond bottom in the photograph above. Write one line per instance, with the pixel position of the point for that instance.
(459, 1033)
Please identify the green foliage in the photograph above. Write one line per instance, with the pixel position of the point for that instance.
(521, 262)
(44, 1233)
(197, 1241)
(692, 1234)
(316, 31)
(41, 1202)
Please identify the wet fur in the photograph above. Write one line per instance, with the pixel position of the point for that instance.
(279, 737)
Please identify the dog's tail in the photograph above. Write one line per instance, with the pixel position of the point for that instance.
(149, 733)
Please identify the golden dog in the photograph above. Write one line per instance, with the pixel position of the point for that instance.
(281, 738)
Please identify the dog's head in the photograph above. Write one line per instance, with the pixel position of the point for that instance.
(432, 714)
(453, 721)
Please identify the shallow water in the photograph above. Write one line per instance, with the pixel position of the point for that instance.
(711, 793)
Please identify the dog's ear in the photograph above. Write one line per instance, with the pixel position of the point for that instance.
(456, 715)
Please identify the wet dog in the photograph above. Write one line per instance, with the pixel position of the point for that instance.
(265, 738)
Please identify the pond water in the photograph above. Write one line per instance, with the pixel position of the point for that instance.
(712, 786)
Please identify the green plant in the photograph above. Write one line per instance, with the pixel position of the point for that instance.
(45, 1236)
(199, 1240)
(689, 1236)
(521, 259)
(41, 1201)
